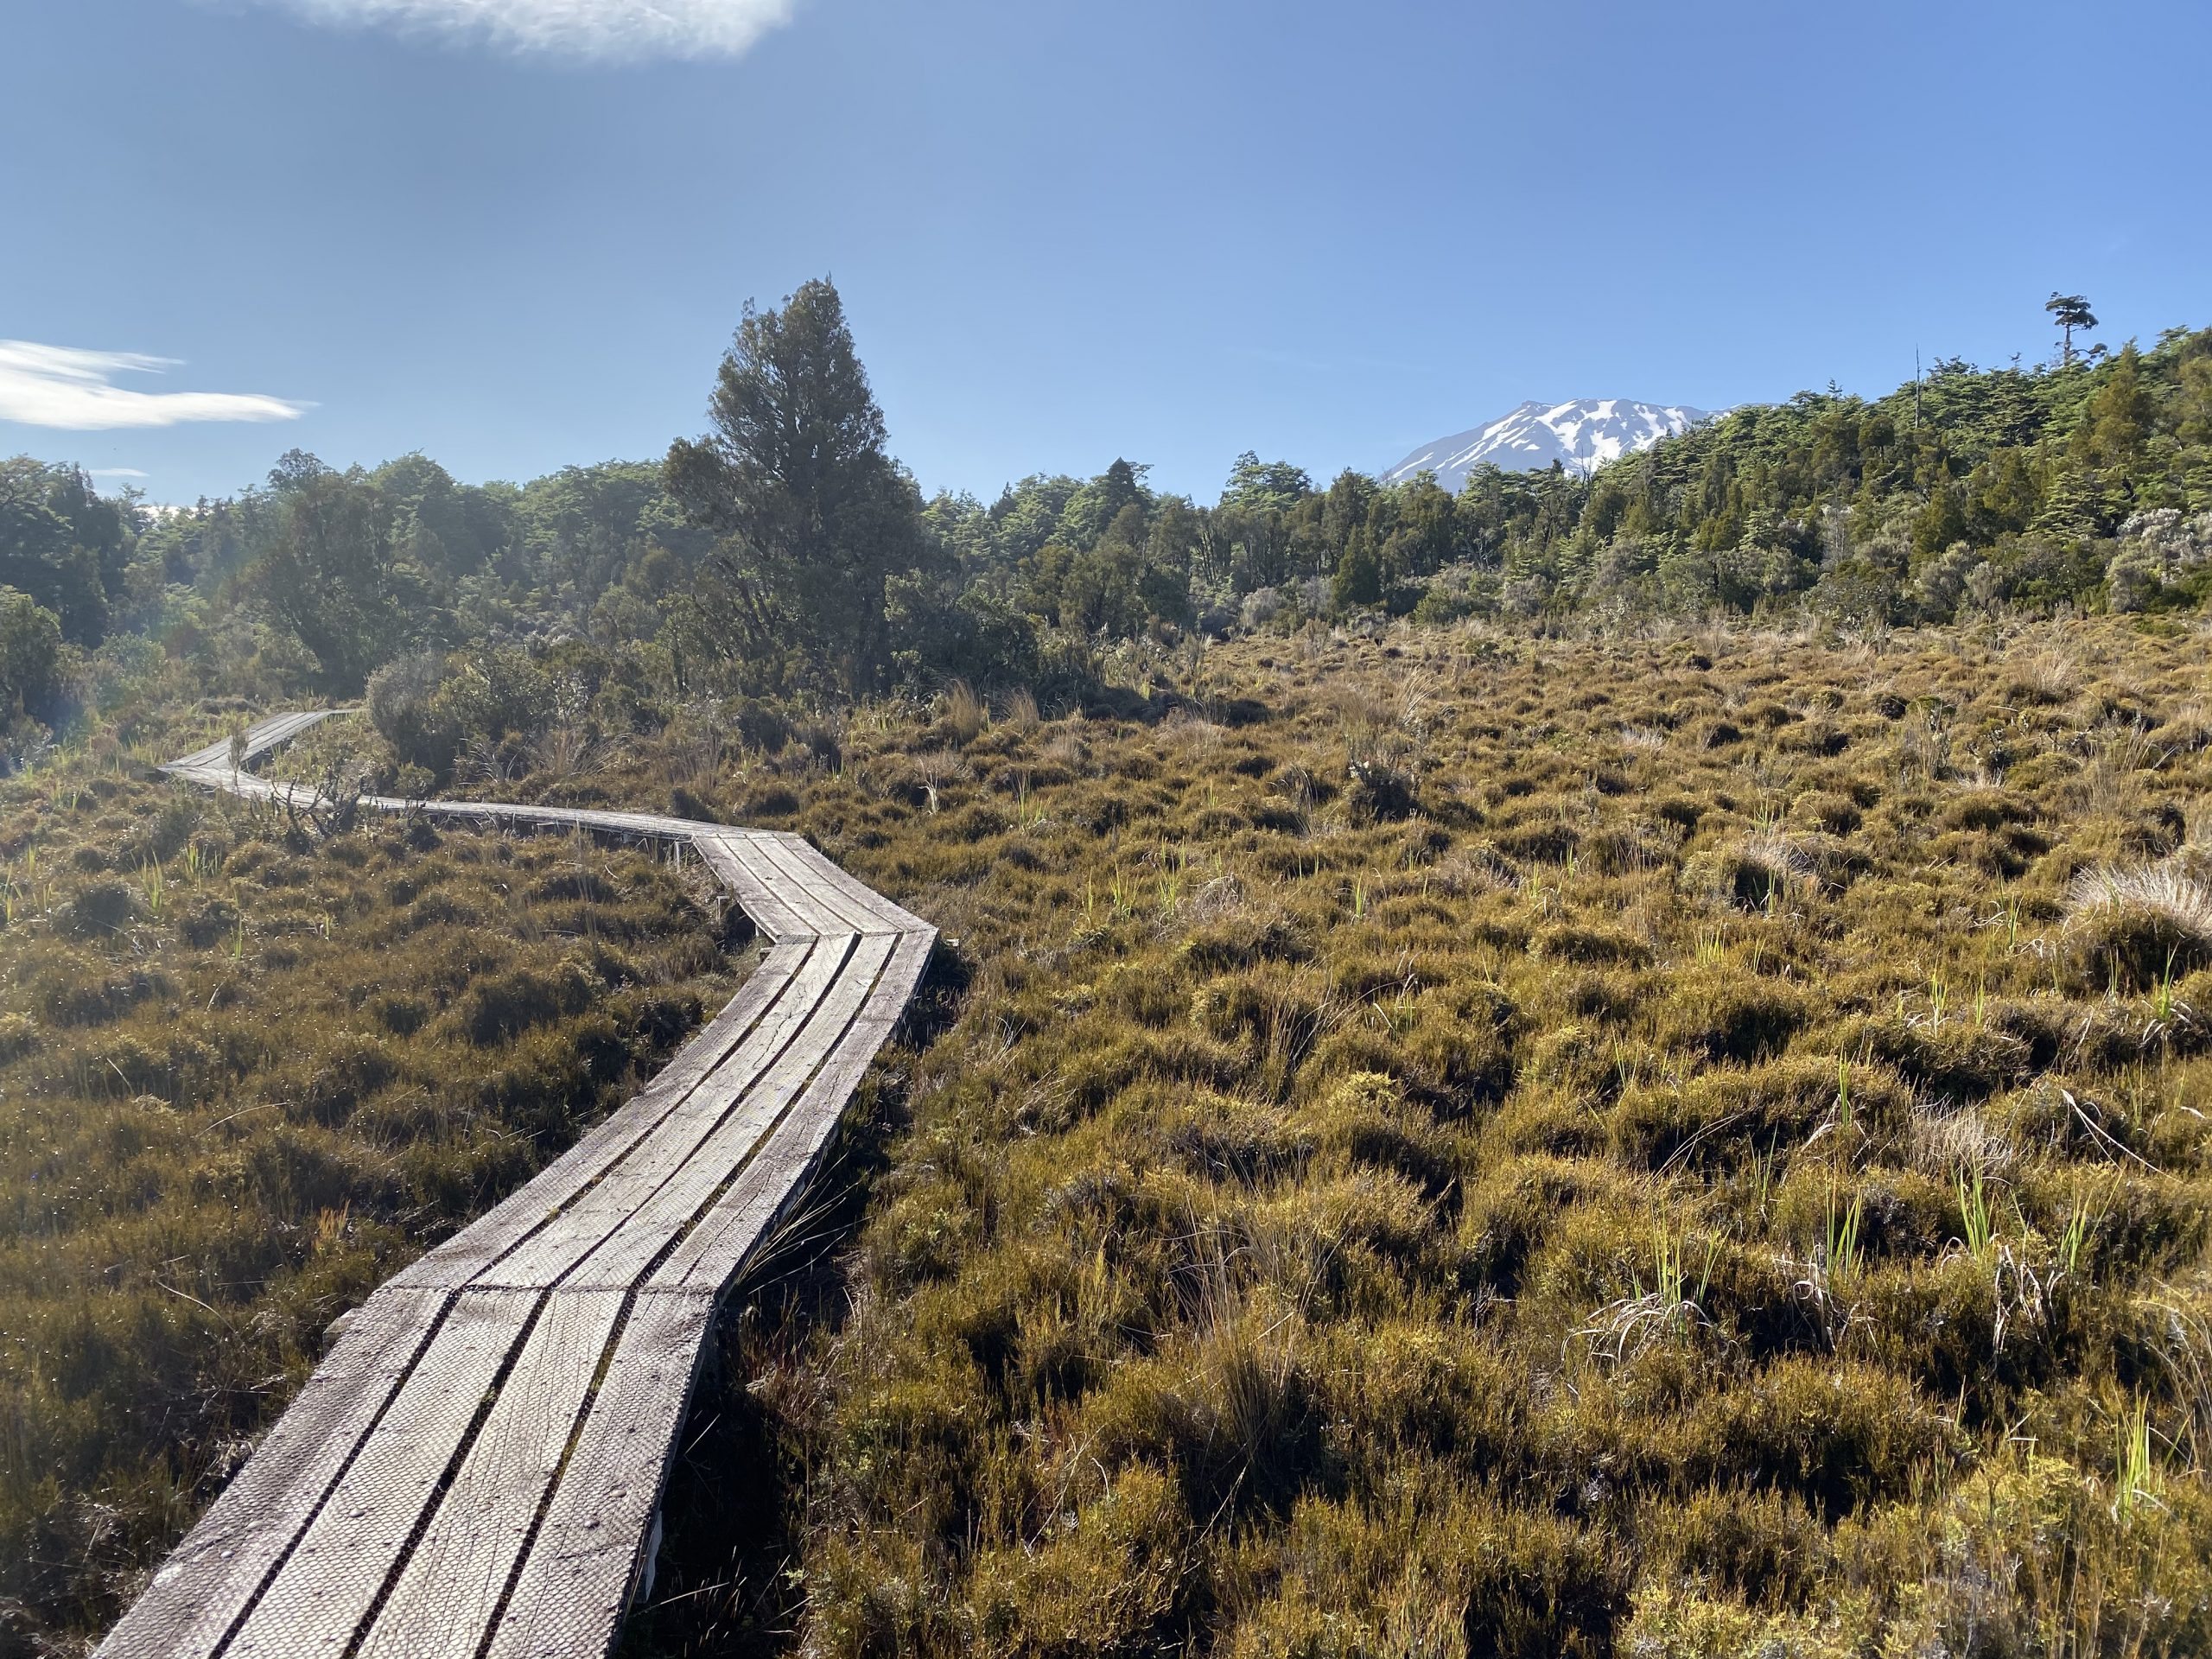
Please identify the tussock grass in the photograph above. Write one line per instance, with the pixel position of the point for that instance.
(244, 1075)
(1623, 1192)
(1442, 1141)
(2140, 925)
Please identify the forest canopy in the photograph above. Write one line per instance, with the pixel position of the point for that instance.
(786, 555)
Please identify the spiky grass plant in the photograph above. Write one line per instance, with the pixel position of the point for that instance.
(2137, 925)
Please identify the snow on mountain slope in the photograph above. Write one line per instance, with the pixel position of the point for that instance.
(1581, 436)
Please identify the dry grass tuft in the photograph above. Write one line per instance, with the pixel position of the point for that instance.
(2140, 925)
(963, 714)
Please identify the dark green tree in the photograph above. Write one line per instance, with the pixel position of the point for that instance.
(57, 540)
(1358, 578)
(2069, 311)
(815, 517)
(31, 659)
(332, 573)
(1093, 509)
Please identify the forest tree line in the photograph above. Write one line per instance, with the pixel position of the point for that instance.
(785, 556)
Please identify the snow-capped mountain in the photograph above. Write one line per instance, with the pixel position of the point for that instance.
(1581, 436)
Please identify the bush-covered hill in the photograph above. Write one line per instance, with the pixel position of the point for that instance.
(786, 555)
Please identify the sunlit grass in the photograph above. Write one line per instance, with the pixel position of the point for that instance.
(245, 1076)
(1672, 1144)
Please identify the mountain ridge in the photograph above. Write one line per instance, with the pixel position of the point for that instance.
(1581, 434)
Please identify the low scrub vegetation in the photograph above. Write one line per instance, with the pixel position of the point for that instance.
(1707, 1158)
(1435, 1142)
(247, 1071)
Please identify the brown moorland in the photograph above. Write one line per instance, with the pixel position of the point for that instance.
(1439, 1141)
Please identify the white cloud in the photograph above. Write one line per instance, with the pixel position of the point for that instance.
(623, 30)
(61, 386)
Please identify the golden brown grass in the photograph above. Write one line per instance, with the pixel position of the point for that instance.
(1460, 1143)
(245, 1076)
(1679, 1183)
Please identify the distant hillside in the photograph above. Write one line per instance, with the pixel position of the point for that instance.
(1581, 436)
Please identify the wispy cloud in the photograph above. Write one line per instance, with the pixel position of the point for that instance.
(61, 386)
(618, 30)
(114, 472)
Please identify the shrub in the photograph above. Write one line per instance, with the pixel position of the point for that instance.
(212, 922)
(399, 705)
(1591, 945)
(1169, 1326)
(1756, 873)
(1827, 810)
(1722, 1117)
(1511, 1212)
(1109, 1581)
(1956, 1059)
(502, 1007)
(1835, 1434)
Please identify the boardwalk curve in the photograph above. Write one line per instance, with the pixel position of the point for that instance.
(474, 1470)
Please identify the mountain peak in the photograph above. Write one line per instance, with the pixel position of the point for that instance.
(1582, 434)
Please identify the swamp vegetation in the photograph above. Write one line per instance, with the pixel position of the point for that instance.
(1444, 1142)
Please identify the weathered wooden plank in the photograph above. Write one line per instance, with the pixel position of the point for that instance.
(631, 1250)
(803, 854)
(393, 1521)
(711, 1254)
(817, 912)
(539, 1203)
(209, 1580)
(575, 1584)
(796, 864)
(328, 1583)
(629, 1186)
(760, 901)
(456, 1576)
(784, 856)
(260, 738)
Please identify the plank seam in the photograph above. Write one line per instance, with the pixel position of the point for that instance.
(521, 1341)
(608, 1351)
(430, 1328)
(767, 1137)
(645, 1136)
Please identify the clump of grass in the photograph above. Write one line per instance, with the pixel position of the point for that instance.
(2044, 680)
(1761, 874)
(1673, 1308)
(2135, 926)
(937, 770)
(2136, 1464)
(1978, 1226)
(965, 714)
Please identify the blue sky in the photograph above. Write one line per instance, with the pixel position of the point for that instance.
(517, 233)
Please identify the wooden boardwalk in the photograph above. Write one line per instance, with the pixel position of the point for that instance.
(475, 1468)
